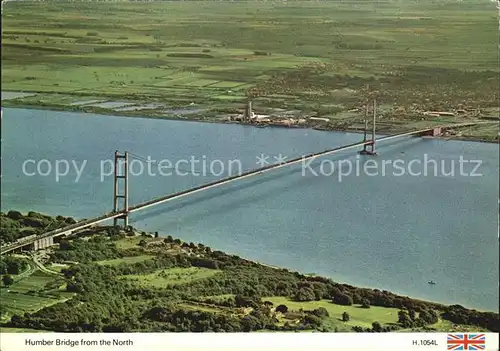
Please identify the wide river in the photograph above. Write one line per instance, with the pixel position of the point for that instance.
(394, 231)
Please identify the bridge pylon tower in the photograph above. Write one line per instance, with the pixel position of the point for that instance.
(120, 194)
(369, 148)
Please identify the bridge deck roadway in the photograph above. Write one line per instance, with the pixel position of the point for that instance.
(93, 221)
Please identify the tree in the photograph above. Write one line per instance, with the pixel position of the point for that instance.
(247, 301)
(112, 231)
(64, 245)
(282, 309)
(16, 319)
(15, 215)
(169, 239)
(428, 317)
(142, 243)
(312, 320)
(321, 312)
(3, 311)
(411, 314)
(304, 294)
(424, 316)
(404, 319)
(12, 265)
(342, 299)
(345, 317)
(365, 303)
(70, 220)
(377, 328)
(434, 317)
(356, 298)
(7, 280)
(249, 323)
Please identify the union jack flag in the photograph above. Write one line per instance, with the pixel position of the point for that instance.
(466, 342)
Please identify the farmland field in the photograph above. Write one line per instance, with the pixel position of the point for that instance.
(21, 330)
(34, 282)
(20, 303)
(358, 316)
(128, 243)
(57, 267)
(172, 276)
(125, 260)
(29, 294)
(150, 284)
(414, 56)
(363, 317)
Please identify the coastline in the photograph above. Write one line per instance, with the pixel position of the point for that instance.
(125, 253)
(162, 235)
(406, 295)
(193, 118)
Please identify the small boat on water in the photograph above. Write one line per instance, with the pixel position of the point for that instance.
(431, 282)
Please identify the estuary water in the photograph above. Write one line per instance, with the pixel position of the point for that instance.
(393, 230)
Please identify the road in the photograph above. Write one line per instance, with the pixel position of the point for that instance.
(42, 267)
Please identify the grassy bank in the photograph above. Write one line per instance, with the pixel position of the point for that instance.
(191, 60)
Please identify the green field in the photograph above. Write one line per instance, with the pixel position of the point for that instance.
(298, 55)
(447, 326)
(34, 282)
(363, 317)
(198, 307)
(57, 267)
(125, 260)
(22, 330)
(171, 276)
(128, 242)
(21, 303)
(29, 294)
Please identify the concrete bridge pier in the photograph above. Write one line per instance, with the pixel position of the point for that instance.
(433, 132)
(43, 243)
(124, 220)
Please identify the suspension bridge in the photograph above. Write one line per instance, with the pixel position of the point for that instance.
(122, 209)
